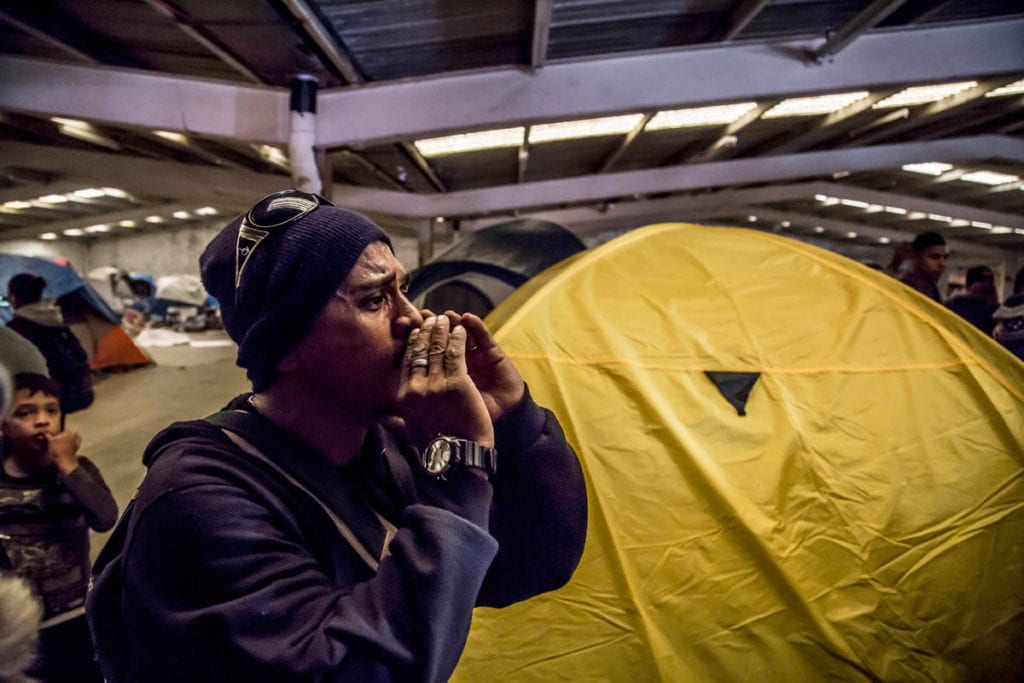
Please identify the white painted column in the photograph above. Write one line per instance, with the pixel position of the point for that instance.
(302, 135)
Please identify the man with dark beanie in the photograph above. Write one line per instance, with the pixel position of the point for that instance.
(388, 473)
(928, 261)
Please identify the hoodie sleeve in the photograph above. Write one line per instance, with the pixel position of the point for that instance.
(88, 488)
(540, 507)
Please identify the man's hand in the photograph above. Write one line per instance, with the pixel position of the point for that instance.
(437, 394)
(64, 450)
(492, 371)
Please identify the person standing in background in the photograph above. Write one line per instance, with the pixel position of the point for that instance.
(979, 300)
(42, 323)
(928, 261)
(50, 497)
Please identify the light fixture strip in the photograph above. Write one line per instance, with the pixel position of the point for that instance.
(814, 106)
(923, 94)
(586, 128)
(471, 142)
(694, 117)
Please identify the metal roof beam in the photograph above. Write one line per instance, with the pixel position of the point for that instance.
(707, 175)
(661, 80)
(867, 19)
(921, 116)
(161, 178)
(387, 113)
(337, 56)
(42, 35)
(201, 35)
(162, 102)
(741, 15)
(541, 32)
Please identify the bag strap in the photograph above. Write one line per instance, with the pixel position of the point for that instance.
(228, 424)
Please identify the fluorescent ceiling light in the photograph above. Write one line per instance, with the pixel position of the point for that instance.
(923, 94)
(116, 192)
(940, 218)
(173, 137)
(127, 223)
(814, 106)
(981, 224)
(471, 142)
(272, 155)
(751, 219)
(73, 232)
(854, 203)
(154, 219)
(851, 235)
(98, 228)
(699, 116)
(883, 240)
(89, 193)
(48, 236)
(182, 214)
(587, 128)
(989, 178)
(73, 123)
(206, 211)
(1001, 230)
(896, 210)
(818, 229)
(84, 131)
(53, 199)
(16, 205)
(928, 168)
(1015, 88)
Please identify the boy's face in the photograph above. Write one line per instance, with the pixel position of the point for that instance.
(34, 415)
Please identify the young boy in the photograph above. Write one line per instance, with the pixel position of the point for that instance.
(49, 498)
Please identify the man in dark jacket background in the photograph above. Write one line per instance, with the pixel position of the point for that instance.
(42, 323)
(388, 473)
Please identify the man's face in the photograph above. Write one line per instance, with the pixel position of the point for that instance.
(931, 262)
(353, 354)
(34, 415)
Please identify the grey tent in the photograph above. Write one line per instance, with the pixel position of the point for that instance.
(481, 270)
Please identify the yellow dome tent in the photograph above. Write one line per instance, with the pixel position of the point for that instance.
(799, 470)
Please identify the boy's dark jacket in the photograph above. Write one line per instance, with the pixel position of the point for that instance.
(230, 573)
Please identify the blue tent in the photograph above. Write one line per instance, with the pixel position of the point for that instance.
(62, 283)
(88, 315)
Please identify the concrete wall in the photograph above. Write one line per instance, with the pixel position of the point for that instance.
(159, 252)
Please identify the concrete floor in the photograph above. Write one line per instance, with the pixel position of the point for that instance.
(186, 382)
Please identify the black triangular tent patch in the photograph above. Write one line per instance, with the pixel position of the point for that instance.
(735, 387)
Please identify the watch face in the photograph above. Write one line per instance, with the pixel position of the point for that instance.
(438, 457)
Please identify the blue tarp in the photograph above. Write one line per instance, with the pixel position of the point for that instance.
(61, 281)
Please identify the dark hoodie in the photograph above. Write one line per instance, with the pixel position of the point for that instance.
(68, 364)
(231, 573)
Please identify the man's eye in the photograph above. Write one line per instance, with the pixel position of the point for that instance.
(404, 288)
(377, 300)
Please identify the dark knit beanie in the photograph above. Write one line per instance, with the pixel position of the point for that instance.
(288, 278)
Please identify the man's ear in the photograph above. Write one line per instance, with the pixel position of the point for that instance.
(288, 364)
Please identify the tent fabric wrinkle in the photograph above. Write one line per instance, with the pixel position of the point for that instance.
(861, 522)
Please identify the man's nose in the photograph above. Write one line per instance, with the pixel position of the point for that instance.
(409, 314)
